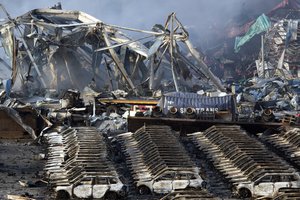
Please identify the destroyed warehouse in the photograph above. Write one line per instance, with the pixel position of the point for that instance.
(93, 110)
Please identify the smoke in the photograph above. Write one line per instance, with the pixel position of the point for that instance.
(204, 19)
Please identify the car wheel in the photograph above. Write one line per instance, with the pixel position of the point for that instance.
(244, 193)
(143, 190)
(111, 196)
(204, 184)
(62, 195)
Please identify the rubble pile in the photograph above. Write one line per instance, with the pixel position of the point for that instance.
(282, 41)
(267, 99)
(111, 124)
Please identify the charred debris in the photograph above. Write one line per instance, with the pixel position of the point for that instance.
(79, 85)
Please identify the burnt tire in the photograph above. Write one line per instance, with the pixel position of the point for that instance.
(111, 196)
(143, 190)
(62, 195)
(204, 184)
(244, 193)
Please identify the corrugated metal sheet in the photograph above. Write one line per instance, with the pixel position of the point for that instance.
(203, 103)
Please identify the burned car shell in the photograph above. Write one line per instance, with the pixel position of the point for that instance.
(171, 181)
(94, 187)
(268, 185)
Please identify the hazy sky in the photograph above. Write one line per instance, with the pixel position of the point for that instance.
(200, 16)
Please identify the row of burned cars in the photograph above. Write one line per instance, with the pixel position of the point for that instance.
(81, 163)
(78, 165)
(252, 169)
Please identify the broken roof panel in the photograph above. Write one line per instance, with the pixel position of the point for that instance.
(54, 47)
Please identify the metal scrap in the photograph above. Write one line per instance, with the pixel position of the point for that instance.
(270, 99)
(281, 47)
(62, 45)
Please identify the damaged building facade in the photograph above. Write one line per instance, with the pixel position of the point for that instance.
(150, 116)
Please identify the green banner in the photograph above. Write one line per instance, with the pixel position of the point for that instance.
(261, 24)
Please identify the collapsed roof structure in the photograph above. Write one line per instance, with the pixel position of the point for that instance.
(51, 48)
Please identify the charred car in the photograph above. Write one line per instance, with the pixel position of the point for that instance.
(268, 185)
(171, 181)
(95, 187)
